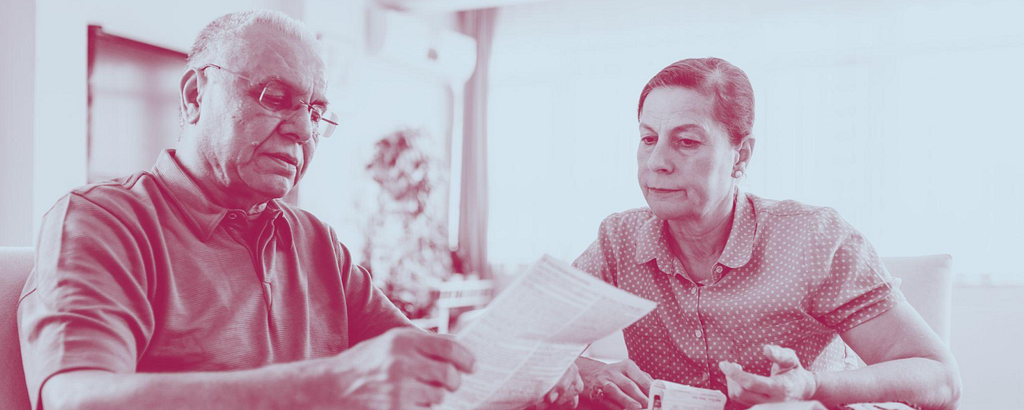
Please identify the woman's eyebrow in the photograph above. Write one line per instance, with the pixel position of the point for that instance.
(686, 128)
(679, 129)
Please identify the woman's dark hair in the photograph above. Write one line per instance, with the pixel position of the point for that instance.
(712, 77)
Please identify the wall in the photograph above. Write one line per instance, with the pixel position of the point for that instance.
(56, 161)
(901, 115)
(372, 96)
(985, 336)
(17, 108)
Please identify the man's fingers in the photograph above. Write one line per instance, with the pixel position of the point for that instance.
(437, 373)
(444, 349)
(641, 378)
(421, 394)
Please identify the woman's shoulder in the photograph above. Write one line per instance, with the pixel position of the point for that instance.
(632, 218)
(793, 212)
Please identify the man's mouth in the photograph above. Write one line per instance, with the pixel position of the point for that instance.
(288, 159)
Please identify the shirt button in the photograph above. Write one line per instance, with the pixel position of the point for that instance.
(718, 269)
(697, 332)
(693, 290)
(232, 215)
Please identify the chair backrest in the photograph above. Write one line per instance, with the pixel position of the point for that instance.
(15, 265)
(927, 282)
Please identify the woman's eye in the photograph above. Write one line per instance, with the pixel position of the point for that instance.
(687, 142)
(649, 140)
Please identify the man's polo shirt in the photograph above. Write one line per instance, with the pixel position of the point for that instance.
(145, 274)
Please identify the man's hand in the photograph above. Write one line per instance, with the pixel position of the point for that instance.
(789, 381)
(402, 369)
(565, 394)
(616, 386)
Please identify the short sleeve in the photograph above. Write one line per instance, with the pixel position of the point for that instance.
(370, 313)
(599, 258)
(85, 304)
(856, 286)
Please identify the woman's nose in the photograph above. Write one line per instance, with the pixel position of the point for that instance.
(659, 160)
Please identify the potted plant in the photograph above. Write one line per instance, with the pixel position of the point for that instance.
(406, 246)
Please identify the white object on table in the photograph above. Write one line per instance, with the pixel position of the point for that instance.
(674, 396)
(530, 335)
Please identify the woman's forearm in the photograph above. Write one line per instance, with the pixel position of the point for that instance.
(926, 383)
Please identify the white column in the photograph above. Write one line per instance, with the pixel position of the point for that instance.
(17, 68)
(59, 158)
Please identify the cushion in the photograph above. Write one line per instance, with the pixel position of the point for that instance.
(15, 265)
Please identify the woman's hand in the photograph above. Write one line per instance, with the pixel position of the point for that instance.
(565, 394)
(789, 381)
(615, 386)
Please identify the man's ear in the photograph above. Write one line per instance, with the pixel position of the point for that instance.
(193, 82)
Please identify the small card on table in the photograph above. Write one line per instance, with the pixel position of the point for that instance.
(673, 396)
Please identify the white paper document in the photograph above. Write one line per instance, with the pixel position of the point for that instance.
(534, 330)
(673, 396)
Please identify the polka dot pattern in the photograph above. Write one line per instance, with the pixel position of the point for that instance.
(791, 274)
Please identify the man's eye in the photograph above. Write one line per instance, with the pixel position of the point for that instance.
(314, 115)
(649, 140)
(274, 98)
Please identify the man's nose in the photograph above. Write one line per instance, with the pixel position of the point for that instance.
(297, 126)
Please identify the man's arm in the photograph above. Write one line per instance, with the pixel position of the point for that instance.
(401, 369)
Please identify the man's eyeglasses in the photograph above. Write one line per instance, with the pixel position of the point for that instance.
(280, 98)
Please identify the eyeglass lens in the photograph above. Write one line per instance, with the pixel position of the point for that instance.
(277, 97)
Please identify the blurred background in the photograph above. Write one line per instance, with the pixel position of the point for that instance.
(477, 135)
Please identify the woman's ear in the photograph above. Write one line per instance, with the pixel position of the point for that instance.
(193, 82)
(744, 152)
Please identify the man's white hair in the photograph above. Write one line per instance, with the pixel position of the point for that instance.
(216, 36)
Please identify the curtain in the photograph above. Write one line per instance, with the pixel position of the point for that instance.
(472, 248)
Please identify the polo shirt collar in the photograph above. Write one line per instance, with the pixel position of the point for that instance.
(201, 213)
(652, 238)
(740, 245)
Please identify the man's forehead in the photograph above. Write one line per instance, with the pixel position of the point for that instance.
(266, 53)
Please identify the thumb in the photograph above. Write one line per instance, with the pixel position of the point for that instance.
(784, 358)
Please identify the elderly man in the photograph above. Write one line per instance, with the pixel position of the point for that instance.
(192, 286)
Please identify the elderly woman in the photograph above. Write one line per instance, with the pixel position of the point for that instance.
(756, 297)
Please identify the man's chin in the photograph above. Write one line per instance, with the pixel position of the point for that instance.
(272, 189)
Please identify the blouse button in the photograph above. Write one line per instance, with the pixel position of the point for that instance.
(232, 215)
(718, 269)
(693, 290)
(697, 332)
